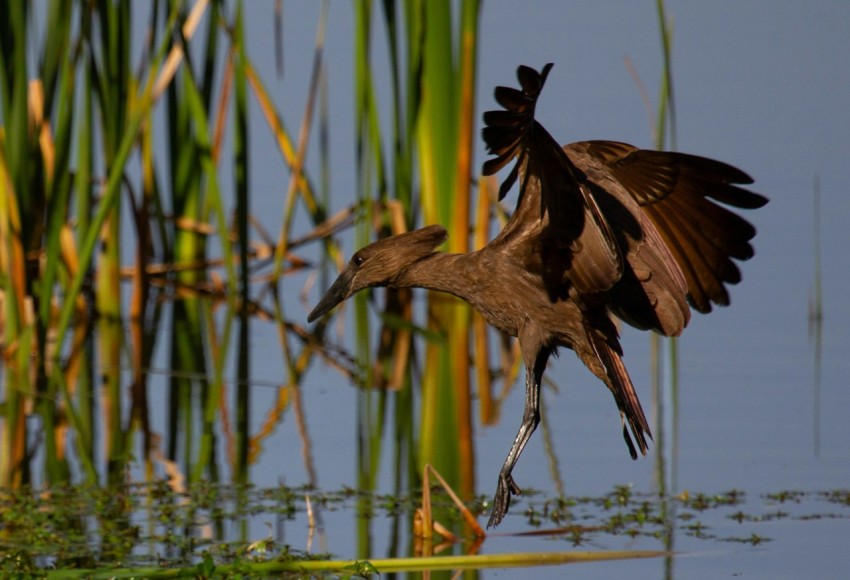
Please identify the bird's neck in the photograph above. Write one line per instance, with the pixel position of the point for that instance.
(441, 272)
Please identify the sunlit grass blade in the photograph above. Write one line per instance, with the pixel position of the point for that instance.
(371, 185)
(666, 118)
(444, 127)
(296, 366)
(19, 198)
(216, 417)
(16, 346)
(666, 125)
(282, 136)
(73, 116)
(303, 138)
(108, 200)
(371, 566)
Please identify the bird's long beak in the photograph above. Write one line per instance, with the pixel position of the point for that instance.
(339, 291)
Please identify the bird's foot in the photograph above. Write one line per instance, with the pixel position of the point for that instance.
(502, 501)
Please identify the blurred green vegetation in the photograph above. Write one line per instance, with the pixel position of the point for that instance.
(112, 144)
(112, 137)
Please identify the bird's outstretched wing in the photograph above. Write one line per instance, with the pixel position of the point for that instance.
(558, 229)
(679, 193)
(578, 238)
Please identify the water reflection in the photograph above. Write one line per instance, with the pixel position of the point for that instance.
(155, 524)
(173, 477)
(816, 321)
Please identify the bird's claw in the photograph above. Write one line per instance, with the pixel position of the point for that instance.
(502, 501)
(513, 486)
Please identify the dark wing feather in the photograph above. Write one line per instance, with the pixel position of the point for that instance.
(558, 229)
(679, 193)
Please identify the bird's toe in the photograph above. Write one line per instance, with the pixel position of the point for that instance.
(502, 501)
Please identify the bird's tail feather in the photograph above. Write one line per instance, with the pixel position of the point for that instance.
(618, 380)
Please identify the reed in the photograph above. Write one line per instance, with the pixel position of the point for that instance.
(816, 319)
(665, 386)
(425, 147)
(85, 182)
(665, 372)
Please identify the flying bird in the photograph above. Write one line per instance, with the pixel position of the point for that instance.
(601, 229)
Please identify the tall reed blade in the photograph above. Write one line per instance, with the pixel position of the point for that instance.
(444, 137)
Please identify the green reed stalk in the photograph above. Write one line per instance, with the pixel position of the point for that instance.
(369, 163)
(297, 165)
(432, 103)
(243, 389)
(816, 320)
(665, 472)
(444, 138)
(73, 114)
(57, 469)
(17, 203)
(666, 125)
(396, 335)
(240, 145)
(112, 90)
(15, 334)
(142, 106)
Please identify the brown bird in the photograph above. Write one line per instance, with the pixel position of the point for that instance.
(600, 228)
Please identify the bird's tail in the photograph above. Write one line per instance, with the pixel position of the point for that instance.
(618, 380)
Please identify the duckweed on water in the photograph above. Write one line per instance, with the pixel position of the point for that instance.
(151, 525)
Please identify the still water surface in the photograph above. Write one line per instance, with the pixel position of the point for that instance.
(763, 88)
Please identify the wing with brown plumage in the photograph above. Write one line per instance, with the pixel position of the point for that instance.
(558, 228)
(610, 228)
(578, 238)
(679, 193)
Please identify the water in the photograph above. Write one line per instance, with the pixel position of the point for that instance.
(760, 86)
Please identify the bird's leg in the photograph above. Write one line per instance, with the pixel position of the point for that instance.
(530, 419)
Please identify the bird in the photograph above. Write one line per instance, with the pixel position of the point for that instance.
(601, 231)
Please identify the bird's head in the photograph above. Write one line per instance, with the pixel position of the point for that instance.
(380, 264)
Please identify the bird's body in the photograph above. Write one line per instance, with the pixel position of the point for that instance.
(482, 278)
(600, 228)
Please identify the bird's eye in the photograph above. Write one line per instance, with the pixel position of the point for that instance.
(358, 260)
